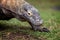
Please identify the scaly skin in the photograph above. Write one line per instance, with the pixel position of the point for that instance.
(23, 11)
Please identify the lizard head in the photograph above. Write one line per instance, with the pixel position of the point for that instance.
(31, 14)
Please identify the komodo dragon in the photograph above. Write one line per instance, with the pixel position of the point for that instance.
(23, 11)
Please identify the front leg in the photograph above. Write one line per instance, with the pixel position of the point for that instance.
(5, 14)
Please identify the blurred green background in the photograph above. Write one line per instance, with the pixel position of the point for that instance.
(49, 14)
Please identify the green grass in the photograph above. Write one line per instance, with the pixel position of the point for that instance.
(51, 21)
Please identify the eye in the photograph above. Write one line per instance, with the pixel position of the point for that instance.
(30, 13)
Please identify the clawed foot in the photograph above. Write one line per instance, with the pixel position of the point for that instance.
(37, 28)
(44, 30)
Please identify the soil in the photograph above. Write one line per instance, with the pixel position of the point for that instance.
(17, 36)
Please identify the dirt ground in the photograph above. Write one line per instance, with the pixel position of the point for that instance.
(17, 36)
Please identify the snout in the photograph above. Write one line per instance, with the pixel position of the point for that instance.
(37, 22)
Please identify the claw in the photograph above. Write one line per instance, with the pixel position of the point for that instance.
(40, 29)
(45, 30)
